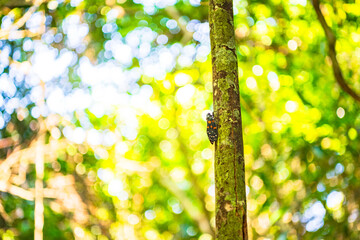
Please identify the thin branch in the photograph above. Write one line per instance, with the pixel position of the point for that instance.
(198, 191)
(19, 34)
(39, 171)
(29, 194)
(194, 213)
(39, 184)
(331, 39)
(174, 13)
(20, 177)
(4, 215)
(27, 156)
(15, 3)
(16, 191)
(249, 110)
(19, 23)
(11, 32)
(88, 198)
(7, 142)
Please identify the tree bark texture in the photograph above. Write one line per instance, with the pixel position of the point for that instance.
(229, 154)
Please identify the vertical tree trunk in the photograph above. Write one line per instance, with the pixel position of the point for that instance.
(229, 161)
(39, 169)
(39, 185)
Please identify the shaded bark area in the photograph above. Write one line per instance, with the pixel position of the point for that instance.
(229, 156)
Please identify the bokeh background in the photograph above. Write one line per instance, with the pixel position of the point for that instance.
(107, 99)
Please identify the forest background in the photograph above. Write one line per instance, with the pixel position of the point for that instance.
(102, 125)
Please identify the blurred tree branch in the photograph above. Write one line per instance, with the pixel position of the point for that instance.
(15, 3)
(331, 39)
(19, 34)
(174, 13)
(197, 188)
(13, 31)
(4, 215)
(88, 198)
(16, 191)
(7, 142)
(27, 155)
(39, 183)
(195, 214)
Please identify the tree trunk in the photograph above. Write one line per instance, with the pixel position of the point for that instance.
(229, 154)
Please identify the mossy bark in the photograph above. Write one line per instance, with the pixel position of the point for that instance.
(229, 154)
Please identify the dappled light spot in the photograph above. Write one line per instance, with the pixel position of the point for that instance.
(101, 153)
(198, 167)
(172, 133)
(211, 190)
(326, 143)
(257, 70)
(176, 208)
(256, 183)
(334, 200)
(75, 30)
(182, 79)
(252, 205)
(277, 127)
(55, 133)
(178, 174)
(106, 175)
(287, 218)
(207, 153)
(298, 2)
(185, 94)
(261, 27)
(340, 112)
(115, 188)
(320, 187)
(162, 39)
(165, 146)
(205, 236)
(266, 151)
(251, 83)
(78, 136)
(35, 21)
(266, 40)
(282, 173)
(291, 106)
(152, 234)
(121, 148)
(292, 44)
(133, 219)
(191, 231)
(273, 81)
(80, 169)
(352, 133)
(262, 223)
(353, 216)
(164, 123)
(195, 3)
(109, 138)
(314, 217)
(150, 214)
(79, 232)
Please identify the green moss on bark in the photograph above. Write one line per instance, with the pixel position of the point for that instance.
(229, 160)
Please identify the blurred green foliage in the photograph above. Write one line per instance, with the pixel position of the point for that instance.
(128, 158)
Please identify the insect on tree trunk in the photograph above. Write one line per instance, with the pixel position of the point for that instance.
(229, 154)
